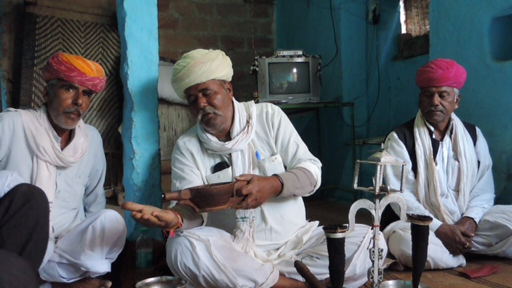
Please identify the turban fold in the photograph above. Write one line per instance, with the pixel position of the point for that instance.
(441, 72)
(198, 66)
(75, 69)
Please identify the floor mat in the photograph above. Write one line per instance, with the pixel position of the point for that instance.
(451, 278)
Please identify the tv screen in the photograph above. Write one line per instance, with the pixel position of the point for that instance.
(289, 78)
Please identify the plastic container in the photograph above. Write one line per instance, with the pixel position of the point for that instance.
(144, 249)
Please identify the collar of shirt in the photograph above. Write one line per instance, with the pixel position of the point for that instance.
(431, 128)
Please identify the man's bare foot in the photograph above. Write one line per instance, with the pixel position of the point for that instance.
(84, 283)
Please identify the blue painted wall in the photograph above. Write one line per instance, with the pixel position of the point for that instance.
(317, 29)
(486, 97)
(139, 73)
(365, 73)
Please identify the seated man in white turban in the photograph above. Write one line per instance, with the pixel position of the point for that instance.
(255, 243)
(448, 177)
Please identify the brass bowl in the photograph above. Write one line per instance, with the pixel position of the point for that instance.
(162, 282)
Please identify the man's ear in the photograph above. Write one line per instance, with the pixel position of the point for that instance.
(229, 88)
(457, 101)
(45, 94)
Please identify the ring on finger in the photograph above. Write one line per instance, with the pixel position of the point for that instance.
(466, 246)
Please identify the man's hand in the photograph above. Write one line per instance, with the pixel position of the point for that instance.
(257, 191)
(468, 224)
(457, 238)
(151, 216)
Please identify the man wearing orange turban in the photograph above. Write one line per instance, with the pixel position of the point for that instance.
(75, 69)
(55, 150)
(448, 176)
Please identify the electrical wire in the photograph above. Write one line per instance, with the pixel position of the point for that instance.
(367, 77)
(331, 9)
(356, 15)
(378, 81)
(335, 38)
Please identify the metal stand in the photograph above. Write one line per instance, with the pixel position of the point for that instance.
(380, 160)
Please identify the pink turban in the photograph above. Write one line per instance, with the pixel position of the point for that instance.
(441, 72)
(75, 69)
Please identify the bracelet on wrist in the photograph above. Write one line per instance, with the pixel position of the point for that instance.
(171, 231)
(282, 183)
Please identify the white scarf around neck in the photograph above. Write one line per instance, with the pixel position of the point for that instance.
(47, 152)
(426, 178)
(242, 132)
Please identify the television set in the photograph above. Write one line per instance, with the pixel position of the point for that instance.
(289, 76)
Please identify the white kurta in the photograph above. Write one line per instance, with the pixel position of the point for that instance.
(479, 206)
(79, 195)
(8, 180)
(282, 233)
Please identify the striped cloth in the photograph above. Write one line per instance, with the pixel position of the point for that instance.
(75, 69)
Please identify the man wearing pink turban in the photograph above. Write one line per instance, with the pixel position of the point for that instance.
(53, 149)
(448, 177)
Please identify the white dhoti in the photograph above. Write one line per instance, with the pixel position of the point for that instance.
(493, 236)
(208, 257)
(398, 237)
(494, 233)
(87, 250)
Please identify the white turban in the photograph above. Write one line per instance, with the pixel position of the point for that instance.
(198, 66)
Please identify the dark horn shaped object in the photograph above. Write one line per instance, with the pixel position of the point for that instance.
(210, 197)
(419, 235)
(335, 235)
(303, 270)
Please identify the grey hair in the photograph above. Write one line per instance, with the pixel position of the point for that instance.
(50, 87)
(457, 92)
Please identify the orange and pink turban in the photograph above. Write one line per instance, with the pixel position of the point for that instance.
(441, 72)
(75, 69)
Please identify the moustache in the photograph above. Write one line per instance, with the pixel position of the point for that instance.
(74, 111)
(208, 110)
(433, 109)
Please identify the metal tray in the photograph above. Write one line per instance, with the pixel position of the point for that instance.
(400, 284)
(162, 282)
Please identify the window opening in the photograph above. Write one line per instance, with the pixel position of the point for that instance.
(415, 29)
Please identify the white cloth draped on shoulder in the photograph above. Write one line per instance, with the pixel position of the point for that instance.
(242, 133)
(48, 154)
(427, 188)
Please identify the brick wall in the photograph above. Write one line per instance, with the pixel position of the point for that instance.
(240, 28)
